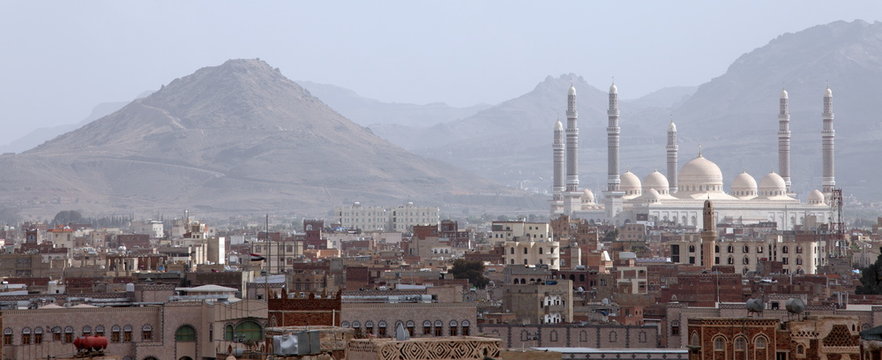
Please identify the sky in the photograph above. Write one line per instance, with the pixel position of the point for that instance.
(62, 58)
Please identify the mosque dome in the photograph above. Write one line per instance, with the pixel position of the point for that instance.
(772, 185)
(816, 197)
(572, 90)
(613, 89)
(630, 184)
(744, 186)
(700, 175)
(587, 196)
(656, 181)
(652, 196)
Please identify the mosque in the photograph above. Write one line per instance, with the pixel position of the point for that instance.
(678, 196)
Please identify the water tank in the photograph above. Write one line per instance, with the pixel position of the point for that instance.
(130, 287)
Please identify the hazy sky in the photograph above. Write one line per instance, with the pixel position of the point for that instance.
(60, 59)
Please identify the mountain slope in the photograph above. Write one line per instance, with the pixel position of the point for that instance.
(226, 139)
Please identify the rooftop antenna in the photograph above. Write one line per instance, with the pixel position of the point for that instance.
(699, 150)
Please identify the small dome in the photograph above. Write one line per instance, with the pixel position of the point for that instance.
(572, 90)
(784, 94)
(652, 196)
(558, 126)
(630, 184)
(672, 127)
(828, 93)
(700, 175)
(613, 89)
(772, 185)
(656, 181)
(744, 185)
(587, 196)
(816, 197)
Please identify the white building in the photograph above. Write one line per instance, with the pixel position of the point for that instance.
(375, 218)
(527, 243)
(656, 198)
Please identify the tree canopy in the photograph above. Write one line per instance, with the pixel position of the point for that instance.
(871, 278)
(472, 270)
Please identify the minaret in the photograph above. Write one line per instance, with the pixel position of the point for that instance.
(672, 149)
(612, 138)
(558, 186)
(708, 236)
(572, 142)
(828, 136)
(784, 138)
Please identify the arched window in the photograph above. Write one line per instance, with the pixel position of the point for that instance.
(740, 344)
(719, 343)
(369, 327)
(512, 251)
(675, 328)
(540, 250)
(410, 325)
(342, 324)
(357, 326)
(730, 260)
(694, 341)
(784, 249)
(115, 335)
(38, 335)
(56, 333)
(692, 248)
(127, 333)
(248, 330)
(553, 335)
(760, 342)
(454, 325)
(439, 328)
(800, 350)
(87, 330)
(7, 336)
(613, 336)
(99, 330)
(641, 337)
(381, 328)
(185, 333)
(746, 261)
(68, 334)
(799, 260)
(26, 336)
(427, 327)
(465, 327)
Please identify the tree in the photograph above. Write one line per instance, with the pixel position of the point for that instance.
(472, 270)
(67, 217)
(871, 278)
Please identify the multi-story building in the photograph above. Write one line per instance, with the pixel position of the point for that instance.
(502, 231)
(546, 302)
(370, 218)
(798, 253)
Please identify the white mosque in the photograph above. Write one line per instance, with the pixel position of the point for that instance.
(679, 197)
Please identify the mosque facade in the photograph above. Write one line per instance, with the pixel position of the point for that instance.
(678, 197)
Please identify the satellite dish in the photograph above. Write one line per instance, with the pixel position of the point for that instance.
(795, 306)
(755, 305)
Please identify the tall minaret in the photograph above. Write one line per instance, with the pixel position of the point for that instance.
(784, 138)
(612, 139)
(708, 236)
(672, 148)
(828, 137)
(558, 186)
(572, 142)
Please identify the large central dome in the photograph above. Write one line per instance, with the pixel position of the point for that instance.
(700, 175)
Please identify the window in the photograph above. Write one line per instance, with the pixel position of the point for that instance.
(26, 336)
(641, 337)
(799, 249)
(228, 330)
(759, 249)
(381, 329)
(746, 261)
(731, 260)
(800, 350)
(740, 344)
(694, 340)
(38, 335)
(7, 336)
(692, 248)
(540, 251)
(115, 333)
(87, 330)
(716, 248)
(427, 327)
(465, 327)
(248, 330)
(185, 333)
(410, 327)
(56, 333)
(512, 251)
(760, 342)
(453, 327)
(147, 332)
(525, 251)
(99, 330)
(439, 328)
(369, 327)
(784, 260)
(357, 326)
(675, 328)
(68, 334)
(127, 333)
(784, 249)
(719, 344)
(692, 260)
(746, 249)
(798, 261)
(730, 249)
(613, 336)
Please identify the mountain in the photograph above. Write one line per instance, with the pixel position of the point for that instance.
(735, 114)
(370, 112)
(511, 142)
(669, 97)
(41, 135)
(238, 137)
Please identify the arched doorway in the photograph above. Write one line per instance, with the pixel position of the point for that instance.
(248, 330)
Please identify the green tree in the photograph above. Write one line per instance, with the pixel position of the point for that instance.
(871, 278)
(472, 270)
(66, 217)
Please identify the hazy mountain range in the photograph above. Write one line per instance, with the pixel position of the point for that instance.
(241, 137)
(238, 137)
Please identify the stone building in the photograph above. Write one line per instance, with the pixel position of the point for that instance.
(548, 302)
(572, 335)
(419, 319)
(811, 337)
